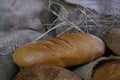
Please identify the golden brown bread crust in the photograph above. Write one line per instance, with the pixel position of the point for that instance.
(110, 70)
(43, 72)
(65, 50)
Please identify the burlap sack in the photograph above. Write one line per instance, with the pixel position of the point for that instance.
(108, 7)
(7, 67)
(19, 24)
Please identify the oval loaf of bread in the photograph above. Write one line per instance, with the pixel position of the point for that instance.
(63, 51)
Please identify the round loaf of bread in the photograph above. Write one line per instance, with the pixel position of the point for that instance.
(44, 72)
(112, 39)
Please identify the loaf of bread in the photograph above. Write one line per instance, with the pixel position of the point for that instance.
(64, 51)
(103, 68)
(109, 70)
(44, 72)
(112, 39)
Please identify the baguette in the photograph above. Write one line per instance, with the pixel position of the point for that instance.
(63, 51)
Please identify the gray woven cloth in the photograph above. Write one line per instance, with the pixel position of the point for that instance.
(19, 24)
(86, 71)
(7, 67)
(108, 7)
(89, 17)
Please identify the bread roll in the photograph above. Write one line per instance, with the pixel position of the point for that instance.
(43, 72)
(64, 51)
